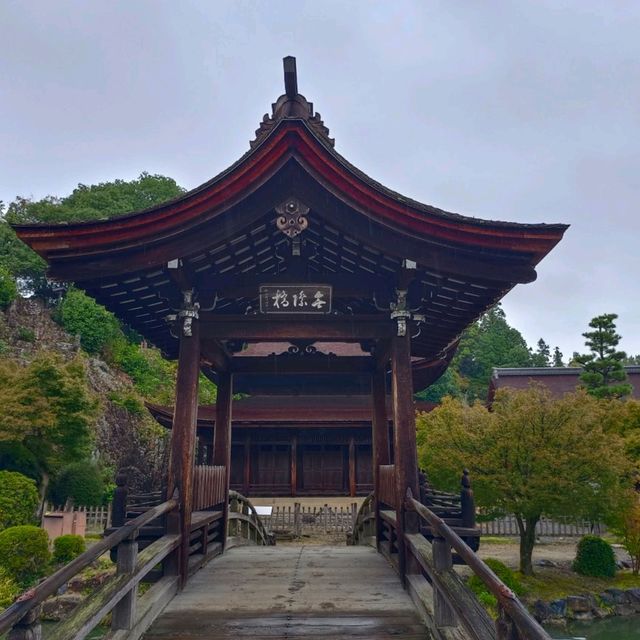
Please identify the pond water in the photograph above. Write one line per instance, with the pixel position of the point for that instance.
(616, 628)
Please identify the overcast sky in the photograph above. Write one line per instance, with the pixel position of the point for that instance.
(512, 110)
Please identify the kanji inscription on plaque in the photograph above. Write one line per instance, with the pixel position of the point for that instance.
(295, 298)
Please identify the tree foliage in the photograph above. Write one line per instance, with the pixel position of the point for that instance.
(595, 557)
(82, 316)
(603, 373)
(490, 342)
(80, 482)
(24, 553)
(47, 408)
(542, 355)
(95, 202)
(530, 456)
(8, 288)
(18, 499)
(557, 358)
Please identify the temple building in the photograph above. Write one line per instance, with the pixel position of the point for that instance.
(295, 279)
(559, 380)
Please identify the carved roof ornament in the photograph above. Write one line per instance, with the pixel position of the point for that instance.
(291, 105)
(292, 217)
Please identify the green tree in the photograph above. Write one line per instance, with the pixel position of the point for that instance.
(557, 358)
(48, 409)
(8, 288)
(94, 202)
(542, 355)
(82, 316)
(80, 482)
(489, 342)
(603, 374)
(448, 384)
(18, 499)
(531, 455)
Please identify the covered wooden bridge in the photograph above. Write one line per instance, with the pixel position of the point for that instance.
(248, 278)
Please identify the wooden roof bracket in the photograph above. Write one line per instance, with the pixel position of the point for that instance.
(399, 310)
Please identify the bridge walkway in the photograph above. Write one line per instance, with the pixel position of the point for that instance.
(292, 592)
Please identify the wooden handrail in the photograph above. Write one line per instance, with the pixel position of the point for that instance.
(49, 586)
(364, 525)
(253, 520)
(508, 602)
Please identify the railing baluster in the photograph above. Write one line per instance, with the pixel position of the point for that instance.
(443, 561)
(124, 613)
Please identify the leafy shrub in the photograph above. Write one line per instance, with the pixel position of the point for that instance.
(129, 401)
(504, 573)
(68, 547)
(82, 316)
(14, 456)
(18, 499)
(24, 553)
(8, 288)
(26, 335)
(595, 557)
(9, 589)
(81, 482)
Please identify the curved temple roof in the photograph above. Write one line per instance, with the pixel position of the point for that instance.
(356, 231)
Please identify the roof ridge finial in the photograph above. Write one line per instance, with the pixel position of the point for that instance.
(290, 76)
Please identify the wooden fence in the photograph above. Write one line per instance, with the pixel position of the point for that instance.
(508, 526)
(98, 518)
(298, 520)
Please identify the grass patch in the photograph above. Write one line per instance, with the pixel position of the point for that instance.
(498, 540)
(552, 584)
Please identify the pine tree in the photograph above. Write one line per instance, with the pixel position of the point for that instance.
(603, 374)
(542, 355)
(557, 358)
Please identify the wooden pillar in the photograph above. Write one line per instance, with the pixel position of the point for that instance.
(404, 442)
(222, 438)
(246, 467)
(183, 437)
(380, 438)
(352, 466)
(294, 464)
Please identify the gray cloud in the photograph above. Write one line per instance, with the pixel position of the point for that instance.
(522, 111)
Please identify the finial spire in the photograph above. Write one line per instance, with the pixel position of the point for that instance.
(290, 77)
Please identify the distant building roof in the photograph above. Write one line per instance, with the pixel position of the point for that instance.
(559, 380)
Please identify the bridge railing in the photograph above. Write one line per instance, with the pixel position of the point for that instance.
(118, 594)
(453, 602)
(208, 486)
(364, 525)
(245, 525)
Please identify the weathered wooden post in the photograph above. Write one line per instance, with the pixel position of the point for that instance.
(29, 627)
(222, 440)
(467, 501)
(380, 440)
(442, 561)
(124, 613)
(183, 433)
(119, 502)
(405, 448)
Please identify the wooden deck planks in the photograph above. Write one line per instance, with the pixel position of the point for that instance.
(293, 593)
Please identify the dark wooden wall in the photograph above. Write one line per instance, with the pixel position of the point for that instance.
(297, 462)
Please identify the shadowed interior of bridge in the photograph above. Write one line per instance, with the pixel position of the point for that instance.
(292, 592)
